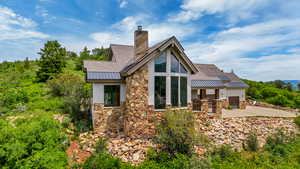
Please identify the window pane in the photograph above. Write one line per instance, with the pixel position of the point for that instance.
(111, 95)
(183, 91)
(161, 63)
(160, 92)
(174, 64)
(174, 91)
(182, 69)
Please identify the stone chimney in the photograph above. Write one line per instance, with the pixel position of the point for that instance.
(140, 42)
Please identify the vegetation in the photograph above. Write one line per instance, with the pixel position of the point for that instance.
(52, 60)
(251, 144)
(177, 134)
(32, 142)
(277, 93)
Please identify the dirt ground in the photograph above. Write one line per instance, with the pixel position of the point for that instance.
(251, 111)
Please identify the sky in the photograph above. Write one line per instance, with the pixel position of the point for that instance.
(257, 39)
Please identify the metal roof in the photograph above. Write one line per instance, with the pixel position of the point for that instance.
(103, 76)
(207, 83)
(236, 85)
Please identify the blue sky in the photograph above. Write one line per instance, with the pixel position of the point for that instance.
(258, 39)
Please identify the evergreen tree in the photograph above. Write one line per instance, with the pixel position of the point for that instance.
(298, 85)
(52, 60)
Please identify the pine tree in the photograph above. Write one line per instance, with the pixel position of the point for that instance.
(52, 60)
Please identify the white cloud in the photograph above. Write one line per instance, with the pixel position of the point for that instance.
(14, 26)
(18, 35)
(236, 9)
(229, 49)
(122, 31)
(43, 13)
(123, 4)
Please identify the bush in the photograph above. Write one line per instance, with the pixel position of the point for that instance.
(35, 142)
(297, 121)
(104, 161)
(251, 144)
(276, 142)
(101, 145)
(176, 132)
(223, 152)
(75, 94)
(163, 160)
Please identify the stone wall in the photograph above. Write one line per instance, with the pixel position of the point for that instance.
(234, 131)
(108, 120)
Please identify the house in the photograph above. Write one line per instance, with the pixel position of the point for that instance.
(139, 82)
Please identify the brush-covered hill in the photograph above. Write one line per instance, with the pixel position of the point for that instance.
(275, 92)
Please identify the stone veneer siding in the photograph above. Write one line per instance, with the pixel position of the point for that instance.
(108, 120)
(137, 115)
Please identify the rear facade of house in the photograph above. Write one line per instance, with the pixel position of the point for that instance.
(138, 83)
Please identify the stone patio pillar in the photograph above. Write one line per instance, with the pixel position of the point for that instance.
(204, 105)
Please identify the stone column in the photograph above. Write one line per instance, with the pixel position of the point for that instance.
(204, 106)
(242, 104)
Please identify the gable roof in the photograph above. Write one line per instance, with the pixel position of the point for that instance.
(210, 75)
(150, 53)
(121, 55)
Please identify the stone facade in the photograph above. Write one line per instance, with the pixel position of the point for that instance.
(138, 115)
(108, 119)
(204, 106)
(243, 104)
(225, 103)
(218, 104)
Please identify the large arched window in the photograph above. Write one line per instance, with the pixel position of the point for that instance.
(176, 73)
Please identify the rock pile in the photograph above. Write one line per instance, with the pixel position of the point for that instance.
(129, 150)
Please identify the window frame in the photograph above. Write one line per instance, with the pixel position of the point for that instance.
(169, 74)
(118, 97)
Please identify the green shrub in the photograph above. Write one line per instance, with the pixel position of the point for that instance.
(276, 143)
(251, 144)
(75, 94)
(297, 121)
(101, 145)
(66, 122)
(176, 132)
(104, 161)
(32, 142)
(223, 152)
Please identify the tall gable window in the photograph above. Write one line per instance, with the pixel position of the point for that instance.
(174, 91)
(111, 95)
(161, 63)
(160, 92)
(173, 74)
(183, 91)
(182, 69)
(174, 64)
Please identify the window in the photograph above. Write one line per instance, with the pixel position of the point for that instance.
(160, 92)
(182, 69)
(161, 63)
(174, 91)
(183, 91)
(174, 64)
(111, 95)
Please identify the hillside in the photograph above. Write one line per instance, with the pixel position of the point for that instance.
(269, 93)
